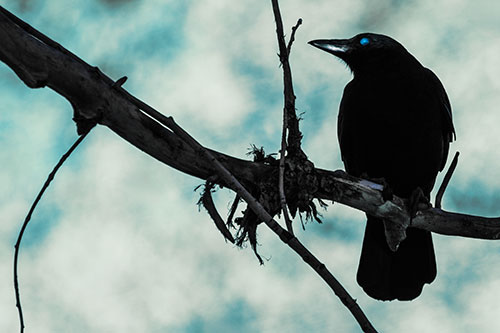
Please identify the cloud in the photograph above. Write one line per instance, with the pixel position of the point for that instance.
(120, 244)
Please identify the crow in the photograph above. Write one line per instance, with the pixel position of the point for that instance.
(394, 124)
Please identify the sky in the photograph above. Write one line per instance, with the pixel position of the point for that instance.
(117, 244)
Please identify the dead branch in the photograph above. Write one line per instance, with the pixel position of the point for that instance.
(446, 180)
(17, 246)
(207, 202)
(285, 236)
(281, 180)
(292, 36)
(294, 135)
(91, 94)
(232, 211)
(292, 145)
(287, 109)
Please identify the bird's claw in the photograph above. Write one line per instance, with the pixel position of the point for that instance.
(417, 201)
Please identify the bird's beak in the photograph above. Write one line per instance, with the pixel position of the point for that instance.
(337, 47)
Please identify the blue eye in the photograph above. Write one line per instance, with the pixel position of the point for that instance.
(364, 41)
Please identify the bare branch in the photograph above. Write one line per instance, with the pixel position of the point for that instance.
(367, 197)
(285, 130)
(281, 180)
(208, 203)
(232, 210)
(38, 63)
(446, 180)
(285, 236)
(294, 135)
(291, 125)
(89, 90)
(28, 218)
(292, 36)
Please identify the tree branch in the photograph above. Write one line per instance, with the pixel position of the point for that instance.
(446, 180)
(292, 36)
(17, 246)
(367, 197)
(294, 135)
(281, 180)
(207, 202)
(295, 153)
(288, 112)
(292, 145)
(285, 236)
(91, 94)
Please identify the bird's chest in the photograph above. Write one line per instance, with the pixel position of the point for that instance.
(384, 114)
(385, 125)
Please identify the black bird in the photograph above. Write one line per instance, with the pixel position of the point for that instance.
(394, 123)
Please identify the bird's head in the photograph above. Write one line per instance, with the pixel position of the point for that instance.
(367, 52)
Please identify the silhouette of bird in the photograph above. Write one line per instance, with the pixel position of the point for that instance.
(394, 123)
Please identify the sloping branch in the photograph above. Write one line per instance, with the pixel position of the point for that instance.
(290, 143)
(296, 157)
(40, 62)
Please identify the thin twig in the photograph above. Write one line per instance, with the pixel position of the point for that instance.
(284, 235)
(292, 36)
(288, 112)
(291, 123)
(446, 180)
(208, 203)
(28, 218)
(281, 181)
(294, 135)
(232, 210)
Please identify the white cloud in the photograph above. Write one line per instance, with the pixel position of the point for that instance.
(200, 90)
(130, 252)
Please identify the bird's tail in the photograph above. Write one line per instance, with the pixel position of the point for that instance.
(387, 275)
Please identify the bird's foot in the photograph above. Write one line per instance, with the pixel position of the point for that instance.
(417, 201)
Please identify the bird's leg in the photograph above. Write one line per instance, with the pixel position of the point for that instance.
(417, 201)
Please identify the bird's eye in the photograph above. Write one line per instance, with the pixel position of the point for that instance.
(364, 41)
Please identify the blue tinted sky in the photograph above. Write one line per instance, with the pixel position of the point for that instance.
(118, 245)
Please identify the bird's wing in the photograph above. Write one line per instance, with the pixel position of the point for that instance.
(349, 164)
(340, 121)
(449, 134)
